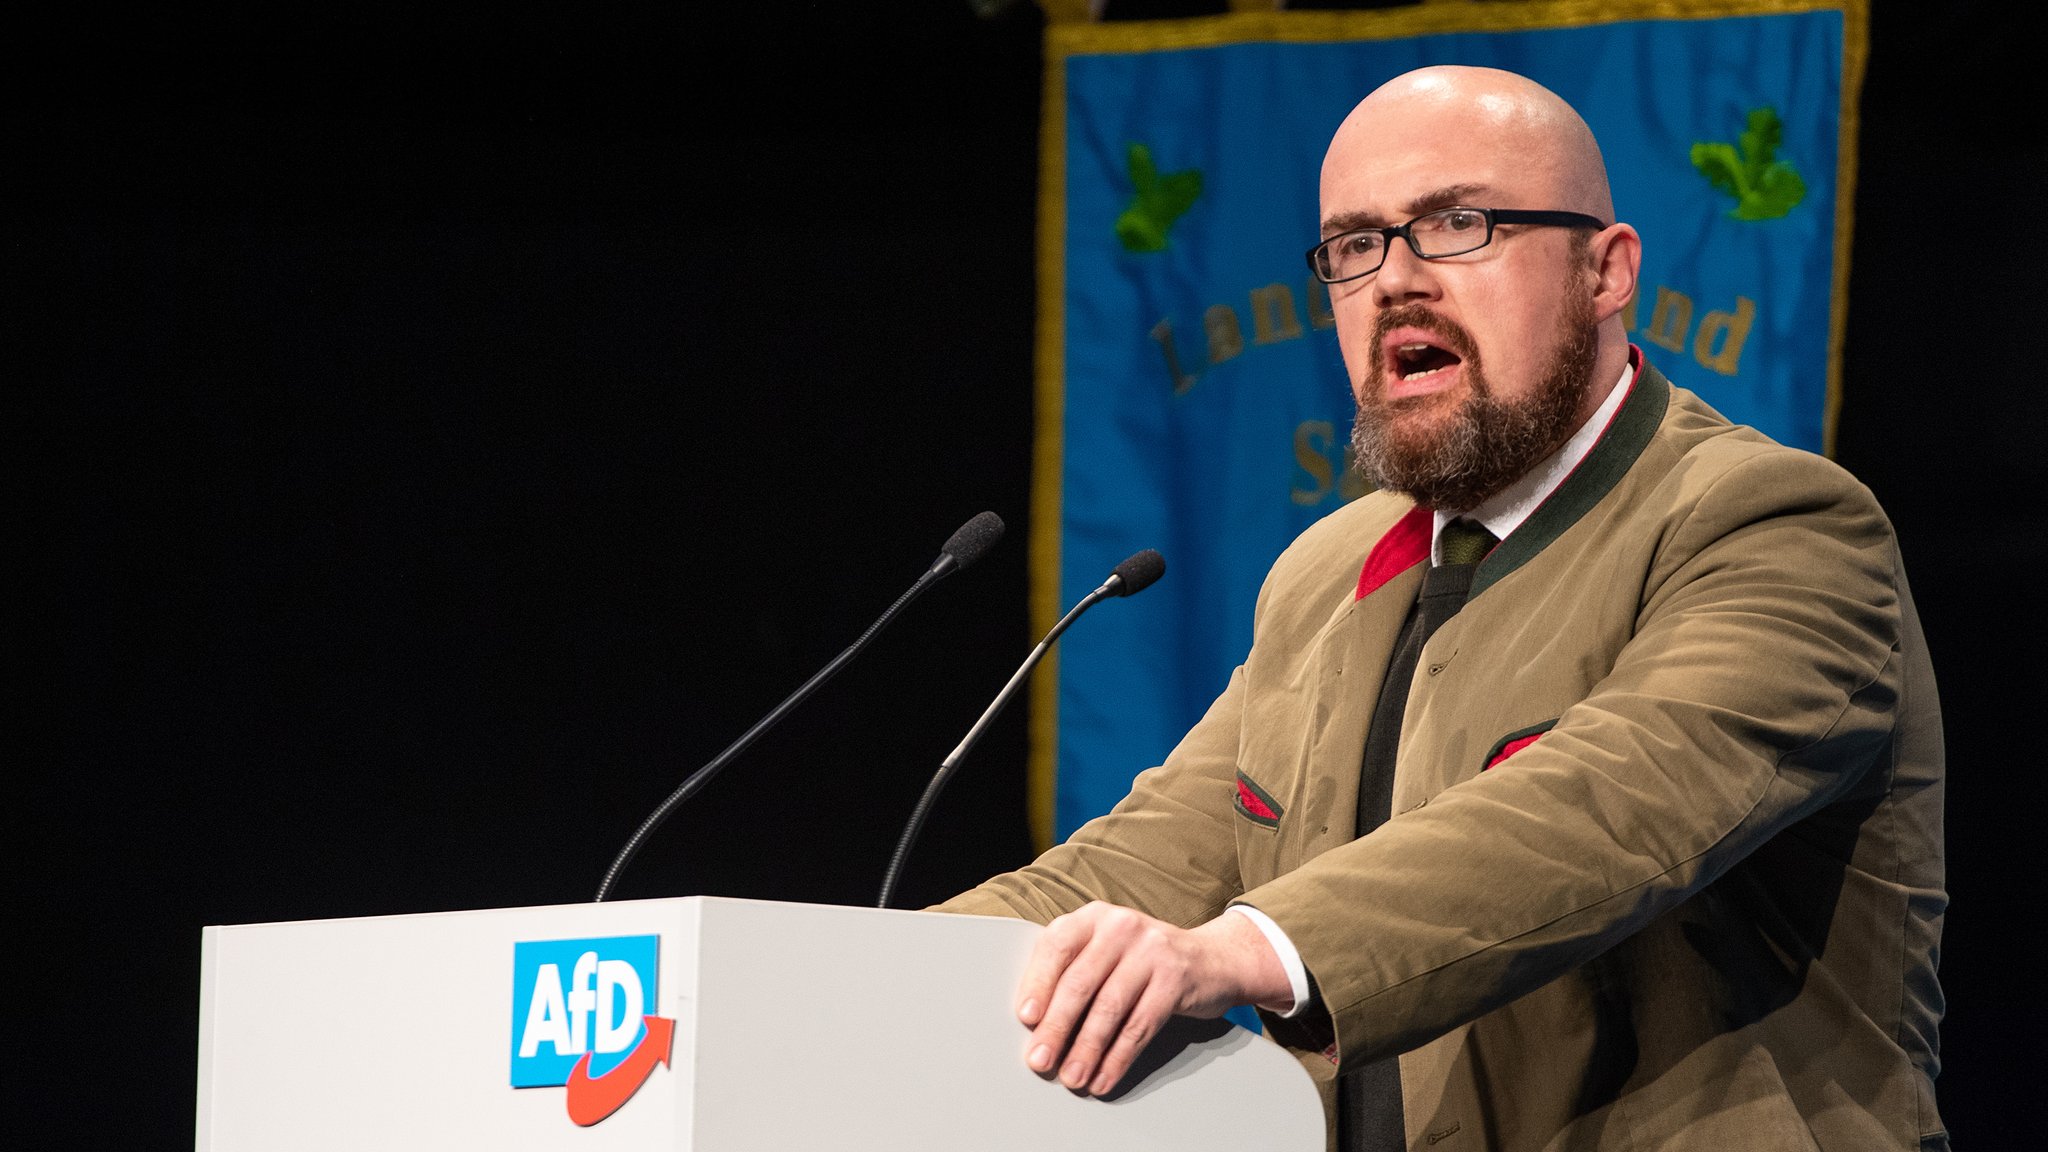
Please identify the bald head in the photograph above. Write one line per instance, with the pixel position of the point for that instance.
(1477, 126)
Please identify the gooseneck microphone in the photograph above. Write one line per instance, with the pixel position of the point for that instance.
(1134, 575)
(963, 548)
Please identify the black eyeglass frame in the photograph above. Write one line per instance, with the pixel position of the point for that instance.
(1492, 216)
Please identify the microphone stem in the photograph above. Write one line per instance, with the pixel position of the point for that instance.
(702, 776)
(952, 762)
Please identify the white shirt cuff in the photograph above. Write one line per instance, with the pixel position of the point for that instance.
(1290, 959)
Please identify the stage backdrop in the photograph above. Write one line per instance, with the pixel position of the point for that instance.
(1191, 397)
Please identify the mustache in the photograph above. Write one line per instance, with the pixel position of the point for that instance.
(1451, 332)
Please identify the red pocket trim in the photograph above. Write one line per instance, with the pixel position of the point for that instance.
(1255, 804)
(1510, 748)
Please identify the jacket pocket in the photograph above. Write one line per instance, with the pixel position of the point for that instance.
(1512, 743)
(1256, 804)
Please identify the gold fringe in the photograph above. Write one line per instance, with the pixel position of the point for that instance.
(1289, 27)
(1049, 446)
(1855, 53)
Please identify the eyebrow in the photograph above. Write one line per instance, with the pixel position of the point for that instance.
(1451, 194)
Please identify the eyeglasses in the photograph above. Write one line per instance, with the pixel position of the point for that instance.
(1432, 236)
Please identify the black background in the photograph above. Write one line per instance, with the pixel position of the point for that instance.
(436, 433)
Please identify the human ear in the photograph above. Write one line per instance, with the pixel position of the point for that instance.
(1617, 257)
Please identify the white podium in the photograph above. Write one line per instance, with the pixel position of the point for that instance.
(783, 1027)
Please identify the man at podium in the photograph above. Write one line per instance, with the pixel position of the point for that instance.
(1582, 788)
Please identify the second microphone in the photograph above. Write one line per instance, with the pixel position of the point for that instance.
(1137, 572)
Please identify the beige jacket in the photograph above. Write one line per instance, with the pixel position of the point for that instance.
(1700, 910)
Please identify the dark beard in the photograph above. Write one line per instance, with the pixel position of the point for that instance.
(1486, 444)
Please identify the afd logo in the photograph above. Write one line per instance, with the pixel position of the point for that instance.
(580, 1020)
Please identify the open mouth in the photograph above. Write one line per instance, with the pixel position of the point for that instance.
(1421, 353)
(1418, 360)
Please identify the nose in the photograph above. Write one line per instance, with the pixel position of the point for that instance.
(1403, 277)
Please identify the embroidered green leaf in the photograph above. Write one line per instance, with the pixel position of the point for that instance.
(1764, 187)
(1720, 165)
(1157, 202)
(1761, 139)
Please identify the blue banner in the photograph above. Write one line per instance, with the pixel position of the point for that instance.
(1192, 398)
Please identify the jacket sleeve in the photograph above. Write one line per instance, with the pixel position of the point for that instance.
(1757, 687)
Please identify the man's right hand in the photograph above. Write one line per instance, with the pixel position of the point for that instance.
(1102, 981)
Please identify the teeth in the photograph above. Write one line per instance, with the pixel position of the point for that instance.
(1412, 353)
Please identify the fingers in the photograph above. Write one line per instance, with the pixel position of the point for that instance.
(1138, 1028)
(1100, 984)
(1067, 966)
(1056, 948)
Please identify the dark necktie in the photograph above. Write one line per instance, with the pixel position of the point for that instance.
(1465, 542)
(1369, 1098)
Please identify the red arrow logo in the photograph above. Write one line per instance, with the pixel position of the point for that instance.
(592, 1100)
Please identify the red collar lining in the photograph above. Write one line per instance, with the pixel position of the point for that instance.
(1405, 545)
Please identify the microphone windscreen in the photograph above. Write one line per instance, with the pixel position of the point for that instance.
(974, 538)
(1139, 571)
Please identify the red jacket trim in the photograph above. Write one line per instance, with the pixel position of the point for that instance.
(1404, 546)
(1514, 742)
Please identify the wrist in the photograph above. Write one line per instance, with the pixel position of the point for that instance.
(1254, 967)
